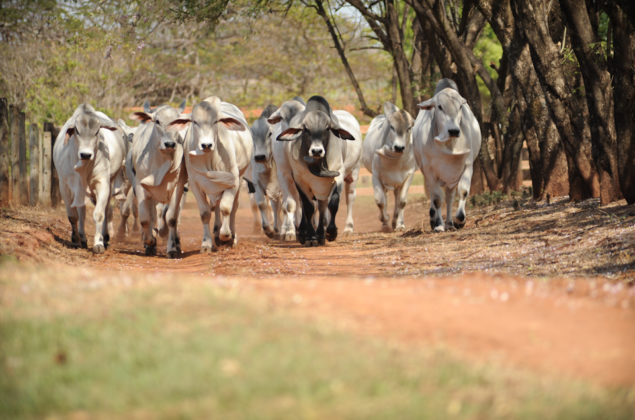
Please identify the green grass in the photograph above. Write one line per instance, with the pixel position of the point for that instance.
(173, 347)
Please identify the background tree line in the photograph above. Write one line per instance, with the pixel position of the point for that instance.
(557, 74)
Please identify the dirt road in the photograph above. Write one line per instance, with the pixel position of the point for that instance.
(544, 287)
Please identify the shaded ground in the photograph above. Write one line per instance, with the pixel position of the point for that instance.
(548, 287)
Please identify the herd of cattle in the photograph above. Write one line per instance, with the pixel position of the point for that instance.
(298, 160)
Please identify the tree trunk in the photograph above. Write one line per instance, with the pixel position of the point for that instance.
(623, 70)
(566, 109)
(599, 96)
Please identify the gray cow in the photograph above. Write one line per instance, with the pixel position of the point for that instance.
(268, 195)
(156, 165)
(447, 139)
(324, 150)
(387, 154)
(88, 156)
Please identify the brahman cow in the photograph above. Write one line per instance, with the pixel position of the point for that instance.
(387, 154)
(267, 191)
(291, 212)
(324, 150)
(155, 164)
(447, 139)
(88, 156)
(218, 149)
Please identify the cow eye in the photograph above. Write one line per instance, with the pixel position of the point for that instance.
(440, 108)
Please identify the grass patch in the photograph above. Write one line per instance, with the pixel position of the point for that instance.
(173, 347)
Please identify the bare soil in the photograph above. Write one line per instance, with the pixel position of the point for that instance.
(544, 287)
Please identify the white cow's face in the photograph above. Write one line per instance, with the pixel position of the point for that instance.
(400, 123)
(163, 116)
(447, 106)
(86, 132)
(262, 143)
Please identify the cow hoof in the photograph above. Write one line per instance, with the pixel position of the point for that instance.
(270, 233)
(331, 233)
(386, 229)
(84, 244)
(439, 228)
(151, 250)
(99, 248)
(400, 228)
(206, 249)
(289, 237)
(174, 254)
(311, 242)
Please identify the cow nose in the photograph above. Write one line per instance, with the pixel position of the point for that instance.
(454, 132)
(260, 158)
(170, 144)
(316, 152)
(206, 146)
(399, 149)
(85, 156)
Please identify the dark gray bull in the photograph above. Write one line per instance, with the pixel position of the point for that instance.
(317, 155)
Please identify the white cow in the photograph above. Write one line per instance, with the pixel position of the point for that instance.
(324, 153)
(268, 195)
(218, 149)
(88, 156)
(387, 153)
(279, 122)
(447, 139)
(155, 164)
(128, 200)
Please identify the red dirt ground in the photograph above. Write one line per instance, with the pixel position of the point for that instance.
(544, 287)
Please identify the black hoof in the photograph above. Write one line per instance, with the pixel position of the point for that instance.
(84, 244)
(331, 233)
(151, 250)
(174, 254)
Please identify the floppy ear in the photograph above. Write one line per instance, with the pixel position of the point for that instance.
(140, 116)
(289, 134)
(231, 124)
(429, 104)
(179, 124)
(274, 119)
(341, 133)
(69, 133)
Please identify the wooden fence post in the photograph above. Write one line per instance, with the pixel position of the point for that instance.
(15, 154)
(23, 181)
(45, 177)
(5, 180)
(34, 158)
(55, 184)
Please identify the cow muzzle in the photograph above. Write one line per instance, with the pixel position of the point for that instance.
(454, 132)
(398, 148)
(260, 158)
(85, 155)
(207, 147)
(169, 144)
(316, 152)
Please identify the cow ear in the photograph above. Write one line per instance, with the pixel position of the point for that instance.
(179, 124)
(69, 133)
(341, 133)
(140, 116)
(289, 134)
(389, 109)
(274, 119)
(427, 105)
(232, 124)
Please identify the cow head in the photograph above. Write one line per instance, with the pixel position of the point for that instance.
(399, 125)
(85, 127)
(447, 107)
(314, 128)
(162, 117)
(261, 134)
(204, 123)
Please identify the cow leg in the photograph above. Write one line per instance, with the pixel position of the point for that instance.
(124, 213)
(147, 213)
(449, 200)
(81, 223)
(463, 190)
(172, 218)
(324, 219)
(225, 207)
(401, 199)
(254, 204)
(349, 190)
(73, 217)
(162, 226)
(380, 199)
(333, 205)
(275, 208)
(102, 192)
(263, 207)
(232, 218)
(306, 232)
(108, 223)
(204, 209)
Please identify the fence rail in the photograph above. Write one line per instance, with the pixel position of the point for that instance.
(26, 160)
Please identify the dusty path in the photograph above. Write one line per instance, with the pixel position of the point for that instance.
(542, 287)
